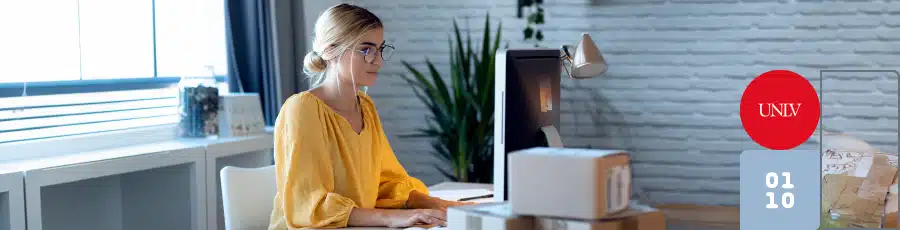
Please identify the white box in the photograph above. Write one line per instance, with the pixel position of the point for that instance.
(486, 216)
(636, 217)
(569, 183)
(240, 115)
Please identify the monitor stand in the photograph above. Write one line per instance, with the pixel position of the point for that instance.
(551, 137)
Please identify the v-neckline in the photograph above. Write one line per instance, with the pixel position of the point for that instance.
(362, 114)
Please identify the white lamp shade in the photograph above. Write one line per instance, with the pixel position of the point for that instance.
(587, 61)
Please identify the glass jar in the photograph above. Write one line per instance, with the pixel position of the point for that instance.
(198, 107)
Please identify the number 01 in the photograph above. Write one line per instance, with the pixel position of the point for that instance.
(772, 180)
(787, 200)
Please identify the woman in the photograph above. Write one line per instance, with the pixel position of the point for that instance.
(334, 165)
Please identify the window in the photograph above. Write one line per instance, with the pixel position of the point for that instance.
(99, 65)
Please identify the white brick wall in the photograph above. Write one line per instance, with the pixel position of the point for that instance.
(677, 72)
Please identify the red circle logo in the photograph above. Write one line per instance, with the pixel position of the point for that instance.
(780, 110)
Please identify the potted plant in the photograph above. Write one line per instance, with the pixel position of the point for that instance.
(461, 119)
(534, 20)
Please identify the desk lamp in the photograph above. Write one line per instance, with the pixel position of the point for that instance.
(526, 96)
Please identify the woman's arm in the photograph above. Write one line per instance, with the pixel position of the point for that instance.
(422, 200)
(396, 218)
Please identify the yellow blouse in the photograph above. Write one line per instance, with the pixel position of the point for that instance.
(325, 169)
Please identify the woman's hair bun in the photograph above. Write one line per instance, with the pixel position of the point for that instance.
(314, 63)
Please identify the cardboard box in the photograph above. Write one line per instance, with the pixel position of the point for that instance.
(487, 216)
(859, 202)
(637, 217)
(584, 184)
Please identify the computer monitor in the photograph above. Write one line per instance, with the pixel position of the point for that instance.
(526, 102)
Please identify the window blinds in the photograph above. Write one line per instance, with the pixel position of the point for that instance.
(40, 117)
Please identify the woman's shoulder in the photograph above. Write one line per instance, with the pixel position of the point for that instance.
(302, 104)
(301, 100)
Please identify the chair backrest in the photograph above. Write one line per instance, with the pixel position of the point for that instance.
(247, 196)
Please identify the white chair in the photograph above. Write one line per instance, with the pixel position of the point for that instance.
(247, 196)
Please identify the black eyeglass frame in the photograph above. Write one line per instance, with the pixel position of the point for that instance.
(380, 50)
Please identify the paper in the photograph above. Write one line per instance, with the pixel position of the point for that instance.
(457, 194)
(850, 163)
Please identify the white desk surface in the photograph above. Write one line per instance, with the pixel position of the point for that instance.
(232, 144)
(441, 186)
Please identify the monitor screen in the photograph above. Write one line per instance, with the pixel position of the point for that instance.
(528, 98)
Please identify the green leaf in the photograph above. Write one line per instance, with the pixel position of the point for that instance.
(454, 62)
(462, 58)
(443, 96)
(528, 32)
(539, 36)
(469, 52)
(419, 76)
(486, 39)
(441, 152)
(539, 16)
(469, 98)
(429, 101)
(497, 39)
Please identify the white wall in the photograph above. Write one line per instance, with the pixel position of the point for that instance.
(677, 71)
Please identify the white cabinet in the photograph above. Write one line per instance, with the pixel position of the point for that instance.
(157, 186)
(12, 201)
(171, 185)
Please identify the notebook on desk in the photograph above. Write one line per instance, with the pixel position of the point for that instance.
(469, 195)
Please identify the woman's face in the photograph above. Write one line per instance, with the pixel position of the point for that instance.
(353, 64)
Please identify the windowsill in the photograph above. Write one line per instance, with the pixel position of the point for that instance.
(53, 153)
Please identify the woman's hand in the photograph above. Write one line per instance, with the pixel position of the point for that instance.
(402, 218)
(422, 201)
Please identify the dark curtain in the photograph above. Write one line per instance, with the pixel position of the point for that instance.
(251, 59)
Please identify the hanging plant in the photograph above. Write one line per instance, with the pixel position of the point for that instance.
(534, 19)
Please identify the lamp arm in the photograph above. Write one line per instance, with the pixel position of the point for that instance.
(566, 56)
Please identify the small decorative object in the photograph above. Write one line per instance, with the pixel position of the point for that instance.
(534, 21)
(241, 115)
(198, 107)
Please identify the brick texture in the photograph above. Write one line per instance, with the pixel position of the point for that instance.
(677, 72)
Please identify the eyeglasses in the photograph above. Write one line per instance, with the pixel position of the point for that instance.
(385, 50)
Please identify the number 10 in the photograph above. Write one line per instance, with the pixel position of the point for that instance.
(787, 198)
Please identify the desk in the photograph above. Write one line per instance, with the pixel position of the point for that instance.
(122, 188)
(12, 200)
(678, 217)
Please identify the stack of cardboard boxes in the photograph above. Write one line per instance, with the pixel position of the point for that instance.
(563, 189)
(859, 188)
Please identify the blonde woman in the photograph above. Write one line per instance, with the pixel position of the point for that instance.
(335, 167)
